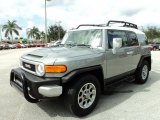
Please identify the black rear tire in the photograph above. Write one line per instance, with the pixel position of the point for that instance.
(72, 93)
(142, 73)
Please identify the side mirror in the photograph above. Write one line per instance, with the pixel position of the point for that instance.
(117, 43)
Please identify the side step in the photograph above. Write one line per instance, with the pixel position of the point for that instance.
(109, 87)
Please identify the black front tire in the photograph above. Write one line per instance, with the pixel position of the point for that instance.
(73, 91)
(142, 73)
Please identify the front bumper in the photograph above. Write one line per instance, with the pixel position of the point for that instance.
(35, 88)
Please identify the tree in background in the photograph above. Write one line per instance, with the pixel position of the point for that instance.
(54, 32)
(152, 33)
(42, 36)
(11, 27)
(33, 33)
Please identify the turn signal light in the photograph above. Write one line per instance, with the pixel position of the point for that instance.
(55, 68)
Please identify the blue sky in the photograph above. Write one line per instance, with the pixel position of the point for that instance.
(71, 13)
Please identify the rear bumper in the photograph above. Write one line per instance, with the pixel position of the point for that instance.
(33, 87)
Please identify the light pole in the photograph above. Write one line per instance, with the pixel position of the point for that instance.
(2, 21)
(59, 32)
(46, 20)
(1, 33)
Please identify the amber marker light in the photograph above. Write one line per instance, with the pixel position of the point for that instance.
(55, 68)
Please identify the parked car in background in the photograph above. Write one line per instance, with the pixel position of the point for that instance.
(154, 45)
(34, 45)
(29, 45)
(42, 45)
(12, 46)
(58, 42)
(54, 43)
(23, 46)
(6, 46)
(18, 45)
(48, 45)
(151, 46)
(1, 47)
(38, 45)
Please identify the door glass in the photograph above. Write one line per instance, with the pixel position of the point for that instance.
(116, 34)
(132, 39)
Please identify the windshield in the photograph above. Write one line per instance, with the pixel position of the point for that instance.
(92, 38)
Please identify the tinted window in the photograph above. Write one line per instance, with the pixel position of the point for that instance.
(116, 34)
(132, 39)
(142, 39)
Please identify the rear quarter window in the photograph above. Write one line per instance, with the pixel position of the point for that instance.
(132, 39)
(142, 38)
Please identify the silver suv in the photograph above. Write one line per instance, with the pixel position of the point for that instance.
(89, 60)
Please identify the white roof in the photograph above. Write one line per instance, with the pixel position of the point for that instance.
(108, 27)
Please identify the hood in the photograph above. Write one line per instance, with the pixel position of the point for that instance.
(51, 54)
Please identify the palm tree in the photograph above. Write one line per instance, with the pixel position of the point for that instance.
(42, 35)
(33, 33)
(11, 27)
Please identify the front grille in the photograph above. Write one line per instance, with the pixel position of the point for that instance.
(29, 66)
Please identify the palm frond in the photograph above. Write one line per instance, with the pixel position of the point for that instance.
(7, 33)
(4, 27)
(15, 31)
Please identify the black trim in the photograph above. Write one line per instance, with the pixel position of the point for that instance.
(25, 80)
(125, 24)
(29, 66)
(96, 25)
(119, 78)
(144, 57)
(73, 73)
(110, 44)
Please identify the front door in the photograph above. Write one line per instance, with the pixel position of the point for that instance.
(119, 63)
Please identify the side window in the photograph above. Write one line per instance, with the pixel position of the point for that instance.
(116, 34)
(142, 38)
(132, 39)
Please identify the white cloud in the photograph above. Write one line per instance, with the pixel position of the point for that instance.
(74, 12)
(41, 27)
(92, 11)
(30, 24)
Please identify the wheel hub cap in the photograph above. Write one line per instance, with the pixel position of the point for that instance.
(86, 95)
(144, 72)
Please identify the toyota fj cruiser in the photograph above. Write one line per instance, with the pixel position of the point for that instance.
(89, 59)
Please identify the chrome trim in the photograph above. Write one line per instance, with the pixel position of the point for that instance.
(50, 91)
(30, 62)
(28, 70)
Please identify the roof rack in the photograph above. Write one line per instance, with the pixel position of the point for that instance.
(97, 25)
(126, 24)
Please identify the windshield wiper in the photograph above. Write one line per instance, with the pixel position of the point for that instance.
(83, 45)
(60, 45)
(71, 45)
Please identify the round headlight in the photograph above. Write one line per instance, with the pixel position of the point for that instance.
(40, 69)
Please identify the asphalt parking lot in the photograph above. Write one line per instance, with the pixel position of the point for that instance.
(129, 101)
